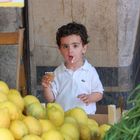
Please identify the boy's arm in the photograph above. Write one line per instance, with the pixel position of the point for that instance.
(95, 97)
(48, 94)
(46, 84)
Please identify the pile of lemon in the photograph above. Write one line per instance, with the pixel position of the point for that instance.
(25, 118)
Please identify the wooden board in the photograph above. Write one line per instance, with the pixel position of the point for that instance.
(110, 115)
(9, 38)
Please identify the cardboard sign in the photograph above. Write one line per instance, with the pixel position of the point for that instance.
(11, 3)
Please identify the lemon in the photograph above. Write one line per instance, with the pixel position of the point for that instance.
(33, 125)
(18, 129)
(31, 137)
(70, 130)
(79, 114)
(4, 118)
(12, 108)
(5, 134)
(85, 133)
(94, 131)
(29, 99)
(92, 122)
(94, 128)
(15, 97)
(3, 97)
(66, 137)
(103, 129)
(52, 135)
(56, 105)
(21, 116)
(46, 125)
(55, 115)
(4, 87)
(36, 110)
(72, 120)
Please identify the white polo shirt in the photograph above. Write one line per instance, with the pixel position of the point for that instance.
(68, 84)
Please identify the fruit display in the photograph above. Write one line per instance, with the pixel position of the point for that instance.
(25, 118)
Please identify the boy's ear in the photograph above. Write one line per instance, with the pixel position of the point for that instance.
(59, 47)
(84, 48)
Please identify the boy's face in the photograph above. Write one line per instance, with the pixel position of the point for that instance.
(72, 49)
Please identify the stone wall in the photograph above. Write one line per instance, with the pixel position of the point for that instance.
(10, 21)
(113, 48)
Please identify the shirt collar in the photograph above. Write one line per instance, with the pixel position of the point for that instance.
(84, 67)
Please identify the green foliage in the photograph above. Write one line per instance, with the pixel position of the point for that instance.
(129, 126)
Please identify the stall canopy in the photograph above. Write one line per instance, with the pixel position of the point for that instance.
(11, 3)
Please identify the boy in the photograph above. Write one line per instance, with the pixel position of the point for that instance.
(76, 82)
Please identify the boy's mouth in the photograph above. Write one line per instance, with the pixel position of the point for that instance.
(71, 58)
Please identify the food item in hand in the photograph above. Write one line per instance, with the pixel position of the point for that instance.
(49, 75)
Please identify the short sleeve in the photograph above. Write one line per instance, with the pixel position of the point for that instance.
(96, 85)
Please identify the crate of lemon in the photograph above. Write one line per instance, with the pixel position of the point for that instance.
(25, 118)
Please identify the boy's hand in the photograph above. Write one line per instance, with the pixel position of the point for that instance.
(47, 79)
(85, 98)
(90, 98)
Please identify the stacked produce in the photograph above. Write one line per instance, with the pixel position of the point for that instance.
(25, 118)
(129, 126)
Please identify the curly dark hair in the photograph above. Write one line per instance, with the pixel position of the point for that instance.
(70, 29)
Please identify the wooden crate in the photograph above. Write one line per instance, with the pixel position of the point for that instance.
(107, 114)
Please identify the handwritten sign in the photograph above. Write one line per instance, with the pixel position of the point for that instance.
(11, 3)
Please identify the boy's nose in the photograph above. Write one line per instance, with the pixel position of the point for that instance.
(70, 48)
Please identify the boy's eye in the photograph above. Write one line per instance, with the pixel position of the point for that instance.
(65, 46)
(75, 45)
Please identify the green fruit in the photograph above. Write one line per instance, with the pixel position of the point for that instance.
(29, 99)
(36, 110)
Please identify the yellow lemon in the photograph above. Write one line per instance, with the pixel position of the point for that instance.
(18, 129)
(22, 116)
(4, 87)
(103, 129)
(29, 99)
(92, 122)
(5, 134)
(56, 105)
(94, 131)
(55, 115)
(33, 125)
(12, 108)
(4, 118)
(85, 133)
(70, 130)
(79, 114)
(3, 97)
(15, 97)
(72, 120)
(46, 125)
(31, 137)
(52, 135)
(66, 137)
(94, 128)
